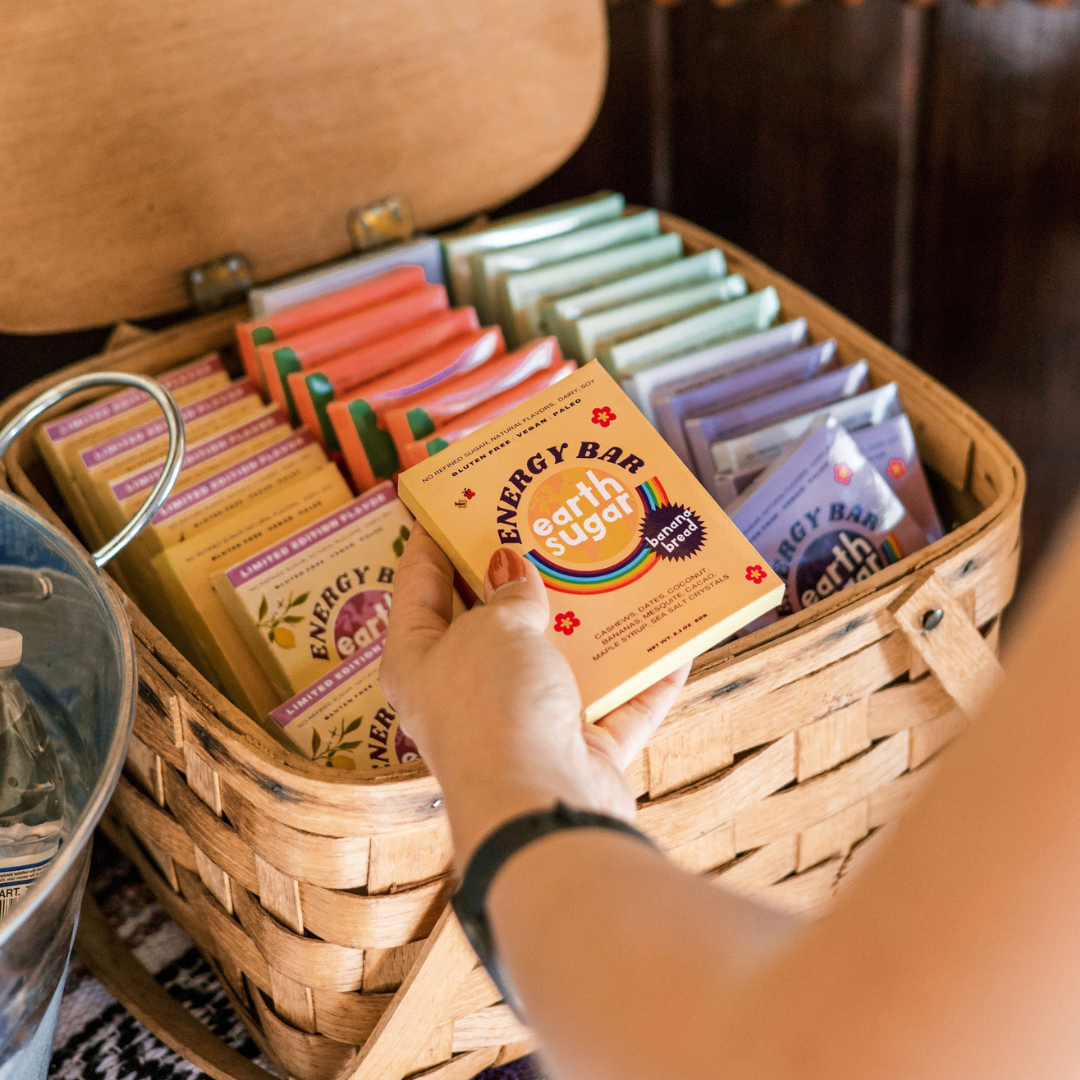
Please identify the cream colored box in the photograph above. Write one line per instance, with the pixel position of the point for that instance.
(317, 596)
(60, 440)
(123, 497)
(207, 503)
(186, 569)
(94, 467)
(344, 720)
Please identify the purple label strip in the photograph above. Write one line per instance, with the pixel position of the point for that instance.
(197, 493)
(123, 402)
(300, 703)
(300, 541)
(154, 429)
(200, 452)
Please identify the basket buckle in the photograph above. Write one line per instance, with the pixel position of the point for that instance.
(221, 281)
(384, 222)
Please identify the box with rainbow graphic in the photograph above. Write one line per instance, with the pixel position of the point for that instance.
(644, 571)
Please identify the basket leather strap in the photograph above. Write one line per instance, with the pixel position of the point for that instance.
(118, 969)
(941, 633)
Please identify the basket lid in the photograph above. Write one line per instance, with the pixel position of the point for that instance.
(143, 139)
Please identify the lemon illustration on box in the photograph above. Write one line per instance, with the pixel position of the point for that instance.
(644, 570)
(316, 597)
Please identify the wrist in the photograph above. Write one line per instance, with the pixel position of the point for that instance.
(475, 814)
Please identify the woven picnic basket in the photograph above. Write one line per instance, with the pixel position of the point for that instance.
(320, 896)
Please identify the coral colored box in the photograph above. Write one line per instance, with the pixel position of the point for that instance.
(343, 719)
(643, 569)
(307, 350)
(420, 449)
(369, 450)
(186, 569)
(417, 420)
(318, 595)
(323, 309)
(312, 391)
(297, 289)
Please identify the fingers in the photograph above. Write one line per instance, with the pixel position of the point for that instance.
(514, 585)
(422, 606)
(624, 732)
(423, 583)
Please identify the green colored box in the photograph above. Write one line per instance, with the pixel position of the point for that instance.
(746, 316)
(489, 267)
(557, 312)
(591, 333)
(520, 295)
(457, 247)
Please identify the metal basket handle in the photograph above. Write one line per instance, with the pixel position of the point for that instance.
(173, 459)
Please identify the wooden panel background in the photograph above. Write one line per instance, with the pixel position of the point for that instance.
(919, 169)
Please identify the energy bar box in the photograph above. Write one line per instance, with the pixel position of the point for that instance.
(120, 499)
(318, 310)
(313, 598)
(310, 348)
(457, 428)
(60, 440)
(148, 443)
(188, 512)
(344, 721)
(312, 391)
(643, 570)
(186, 569)
(824, 517)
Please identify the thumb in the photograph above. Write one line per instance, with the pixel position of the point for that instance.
(514, 584)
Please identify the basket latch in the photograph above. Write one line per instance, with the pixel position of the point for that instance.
(387, 221)
(221, 281)
(942, 634)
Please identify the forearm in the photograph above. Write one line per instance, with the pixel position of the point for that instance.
(955, 956)
(624, 962)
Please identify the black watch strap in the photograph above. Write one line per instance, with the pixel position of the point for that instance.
(489, 858)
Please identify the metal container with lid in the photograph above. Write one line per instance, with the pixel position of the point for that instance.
(78, 668)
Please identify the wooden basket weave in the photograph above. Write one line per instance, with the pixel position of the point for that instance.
(320, 896)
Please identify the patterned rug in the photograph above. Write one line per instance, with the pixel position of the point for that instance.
(97, 1039)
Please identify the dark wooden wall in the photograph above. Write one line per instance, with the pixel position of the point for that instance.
(917, 168)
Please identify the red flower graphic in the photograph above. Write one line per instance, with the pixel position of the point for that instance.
(756, 574)
(565, 623)
(895, 468)
(603, 416)
(468, 493)
(842, 473)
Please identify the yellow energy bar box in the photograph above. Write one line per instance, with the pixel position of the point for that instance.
(208, 503)
(60, 440)
(314, 598)
(186, 570)
(643, 570)
(94, 467)
(343, 719)
(121, 498)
